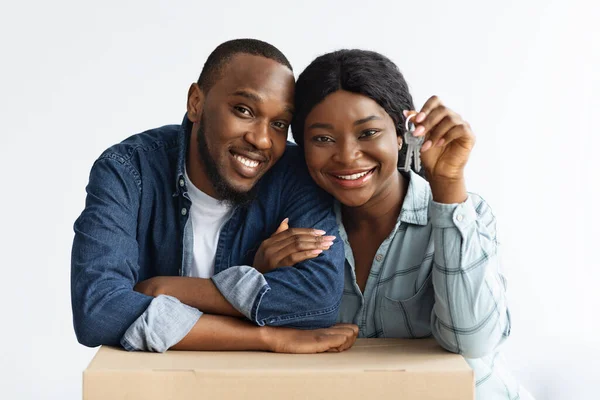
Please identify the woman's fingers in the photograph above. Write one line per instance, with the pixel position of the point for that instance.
(298, 248)
(282, 227)
(295, 258)
(293, 232)
(445, 121)
(432, 103)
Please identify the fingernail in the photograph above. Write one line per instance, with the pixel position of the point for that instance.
(426, 146)
(329, 238)
(420, 117)
(419, 131)
(440, 142)
(327, 244)
(285, 221)
(319, 232)
(316, 251)
(405, 113)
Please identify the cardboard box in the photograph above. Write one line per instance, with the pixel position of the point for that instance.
(372, 369)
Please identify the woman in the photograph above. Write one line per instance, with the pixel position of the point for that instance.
(421, 255)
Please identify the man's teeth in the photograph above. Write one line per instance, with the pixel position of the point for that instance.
(246, 161)
(353, 176)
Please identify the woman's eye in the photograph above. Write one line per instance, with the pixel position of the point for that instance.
(322, 139)
(369, 133)
(242, 110)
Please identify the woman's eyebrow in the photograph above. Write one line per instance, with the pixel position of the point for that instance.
(367, 119)
(320, 125)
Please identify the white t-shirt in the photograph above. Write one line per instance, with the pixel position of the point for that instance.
(207, 216)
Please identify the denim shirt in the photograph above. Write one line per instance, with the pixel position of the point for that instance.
(135, 226)
(438, 274)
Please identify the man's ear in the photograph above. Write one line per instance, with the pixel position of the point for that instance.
(195, 103)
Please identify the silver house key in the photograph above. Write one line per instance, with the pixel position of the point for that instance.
(414, 146)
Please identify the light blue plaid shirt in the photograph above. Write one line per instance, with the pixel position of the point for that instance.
(437, 273)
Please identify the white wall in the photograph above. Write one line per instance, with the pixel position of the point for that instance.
(79, 76)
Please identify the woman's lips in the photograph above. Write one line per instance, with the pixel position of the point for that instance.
(351, 178)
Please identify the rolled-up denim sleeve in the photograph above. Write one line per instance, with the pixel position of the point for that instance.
(104, 268)
(470, 315)
(308, 294)
(243, 287)
(164, 323)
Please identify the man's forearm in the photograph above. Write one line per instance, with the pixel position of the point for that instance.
(218, 332)
(199, 293)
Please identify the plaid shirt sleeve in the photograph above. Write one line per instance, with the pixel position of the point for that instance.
(470, 315)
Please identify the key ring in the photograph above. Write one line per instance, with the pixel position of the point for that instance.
(413, 114)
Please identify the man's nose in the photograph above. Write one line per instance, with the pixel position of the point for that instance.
(259, 136)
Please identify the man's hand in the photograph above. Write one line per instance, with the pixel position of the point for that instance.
(287, 247)
(288, 340)
(445, 151)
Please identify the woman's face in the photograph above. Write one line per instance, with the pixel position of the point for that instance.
(351, 148)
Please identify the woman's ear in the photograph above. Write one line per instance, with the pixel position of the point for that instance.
(195, 103)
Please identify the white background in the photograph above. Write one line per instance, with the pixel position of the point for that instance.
(79, 76)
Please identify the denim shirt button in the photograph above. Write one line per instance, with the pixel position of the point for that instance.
(183, 211)
(379, 257)
(181, 182)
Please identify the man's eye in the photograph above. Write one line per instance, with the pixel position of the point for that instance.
(280, 125)
(242, 110)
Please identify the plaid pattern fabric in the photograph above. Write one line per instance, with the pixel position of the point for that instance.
(437, 274)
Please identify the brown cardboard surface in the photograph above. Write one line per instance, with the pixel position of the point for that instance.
(371, 369)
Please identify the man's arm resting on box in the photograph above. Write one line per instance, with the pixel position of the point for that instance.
(218, 333)
(168, 324)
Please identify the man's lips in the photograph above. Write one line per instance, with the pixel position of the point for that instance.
(247, 164)
(251, 155)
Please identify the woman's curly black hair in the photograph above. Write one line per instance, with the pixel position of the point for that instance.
(360, 71)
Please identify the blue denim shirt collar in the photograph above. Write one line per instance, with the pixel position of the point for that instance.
(184, 139)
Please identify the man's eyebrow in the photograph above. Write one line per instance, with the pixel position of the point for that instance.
(367, 119)
(248, 95)
(289, 109)
(256, 98)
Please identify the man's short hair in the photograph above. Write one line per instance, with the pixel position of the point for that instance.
(218, 59)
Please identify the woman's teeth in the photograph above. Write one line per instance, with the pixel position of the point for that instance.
(246, 161)
(352, 177)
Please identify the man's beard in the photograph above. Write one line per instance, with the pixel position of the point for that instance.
(226, 193)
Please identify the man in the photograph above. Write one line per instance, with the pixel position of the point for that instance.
(179, 212)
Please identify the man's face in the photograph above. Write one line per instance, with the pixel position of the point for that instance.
(240, 126)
